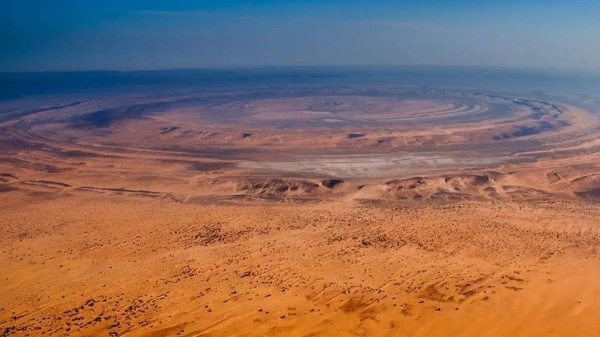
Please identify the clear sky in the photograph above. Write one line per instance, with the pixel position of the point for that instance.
(152, 34)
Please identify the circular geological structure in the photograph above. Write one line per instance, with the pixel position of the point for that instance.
(240, 140)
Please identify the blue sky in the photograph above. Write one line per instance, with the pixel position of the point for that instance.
(151, 34)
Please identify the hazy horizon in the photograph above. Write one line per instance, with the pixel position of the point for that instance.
(137, 35)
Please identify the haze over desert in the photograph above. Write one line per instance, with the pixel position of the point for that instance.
(299, 168)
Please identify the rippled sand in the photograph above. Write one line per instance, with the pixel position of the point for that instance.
(421, 214)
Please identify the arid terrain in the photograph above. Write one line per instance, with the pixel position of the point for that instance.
(337, 211)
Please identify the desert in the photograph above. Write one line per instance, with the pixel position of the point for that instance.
(300, 210)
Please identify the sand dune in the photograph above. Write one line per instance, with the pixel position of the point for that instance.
(417, 213)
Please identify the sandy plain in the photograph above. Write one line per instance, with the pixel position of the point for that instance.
(352, 213)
